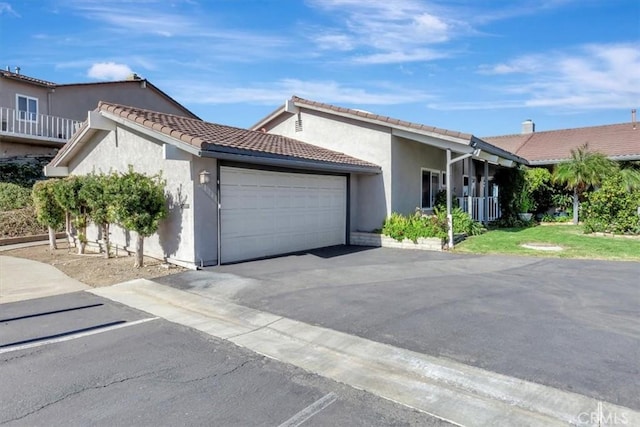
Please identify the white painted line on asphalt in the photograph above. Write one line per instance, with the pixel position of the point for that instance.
(75, 336)
(310, 411)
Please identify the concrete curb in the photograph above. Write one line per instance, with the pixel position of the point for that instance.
(452, 391)
(28, 239)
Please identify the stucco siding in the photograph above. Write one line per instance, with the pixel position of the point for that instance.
(409, 158)
(205, 212)
(367, 142)
(9, 88)
(115, 151)
(76, 100)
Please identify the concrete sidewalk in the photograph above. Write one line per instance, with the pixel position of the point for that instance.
(452, 391)
(22, 279)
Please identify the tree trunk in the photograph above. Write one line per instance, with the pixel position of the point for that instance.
(576, 206)
(67, 225)
(139, 251)
(52, 239)
(105, 238)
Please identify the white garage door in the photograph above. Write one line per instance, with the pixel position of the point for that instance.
(266, 213)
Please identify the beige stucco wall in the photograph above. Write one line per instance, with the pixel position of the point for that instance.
(409, 158)
(10, 88)
(205, 212)
(115, 151)
(12, 148)
(367, 142)
(75, 101)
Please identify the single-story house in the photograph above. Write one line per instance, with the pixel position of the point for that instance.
(416, 160)
(619, 142)
(234, 194)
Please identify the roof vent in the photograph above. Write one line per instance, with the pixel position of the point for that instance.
(633, 118)
(17, 70)
(528, 127)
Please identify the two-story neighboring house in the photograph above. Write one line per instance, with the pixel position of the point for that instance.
(37, 117)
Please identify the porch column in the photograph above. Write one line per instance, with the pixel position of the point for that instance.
(486, 192)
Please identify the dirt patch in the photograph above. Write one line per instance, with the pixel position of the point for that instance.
(92, 268)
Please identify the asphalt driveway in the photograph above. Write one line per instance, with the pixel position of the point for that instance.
(569, 324)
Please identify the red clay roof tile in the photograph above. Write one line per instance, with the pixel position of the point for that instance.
(210, 136)
(618, 141)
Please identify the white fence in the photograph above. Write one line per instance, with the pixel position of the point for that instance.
(477, 207)
(37, 125)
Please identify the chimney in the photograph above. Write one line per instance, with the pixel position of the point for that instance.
(17, 70)
(528, 127)
(633, 118)
(8, 68)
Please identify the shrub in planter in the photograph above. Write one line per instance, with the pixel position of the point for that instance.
(462, 222)
(413, 227)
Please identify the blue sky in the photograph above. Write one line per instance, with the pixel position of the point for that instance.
(475, 66)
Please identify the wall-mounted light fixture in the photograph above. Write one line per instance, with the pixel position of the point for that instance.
(205, 177)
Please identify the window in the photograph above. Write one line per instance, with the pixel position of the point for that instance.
(430, 186)
(27, 108)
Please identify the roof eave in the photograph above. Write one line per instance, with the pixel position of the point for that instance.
(267, 159)
(492, 149)
(263, 122)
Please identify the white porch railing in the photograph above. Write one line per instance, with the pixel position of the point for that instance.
(22, 123)
(477, 207)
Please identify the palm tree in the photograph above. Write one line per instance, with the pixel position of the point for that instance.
(585, 169)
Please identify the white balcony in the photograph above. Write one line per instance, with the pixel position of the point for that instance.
(36, 126)
(475, 207)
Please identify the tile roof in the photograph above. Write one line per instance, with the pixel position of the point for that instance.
(620, 141)
(220, 138)
(381, 119)
(27, 79)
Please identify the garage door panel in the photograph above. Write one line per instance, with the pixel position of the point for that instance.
(266, 213)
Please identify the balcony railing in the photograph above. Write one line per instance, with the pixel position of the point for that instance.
(477, 207)
(22, 123)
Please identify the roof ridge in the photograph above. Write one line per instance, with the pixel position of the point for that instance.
(382, 118)
(510, 135)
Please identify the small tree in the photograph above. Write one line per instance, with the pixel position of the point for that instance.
(68, 194)
(99, 194)
(140, 205)
(584, 170)
(48, 211)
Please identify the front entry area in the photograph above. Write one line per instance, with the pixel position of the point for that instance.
(265, 213)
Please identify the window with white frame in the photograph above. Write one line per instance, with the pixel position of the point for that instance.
(27, 107)
(430, 186)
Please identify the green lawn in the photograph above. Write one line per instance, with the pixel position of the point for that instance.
(571, 238)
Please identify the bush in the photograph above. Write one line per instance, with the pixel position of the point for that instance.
(414, 227)
(13, 196)
(418, 225)
(611, 208)
(22, 174)
(462, 222)
(20, 222)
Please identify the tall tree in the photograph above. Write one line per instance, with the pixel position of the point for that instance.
(585, 169)
(140, 205)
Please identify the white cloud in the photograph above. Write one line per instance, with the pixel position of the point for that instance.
(596, 76)
(109, 71)
(386, 31)
(5, 8)
(274, 93)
